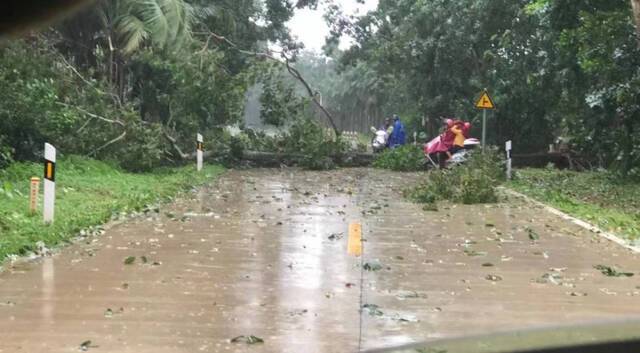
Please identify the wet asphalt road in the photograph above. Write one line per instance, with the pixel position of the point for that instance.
(264, 253)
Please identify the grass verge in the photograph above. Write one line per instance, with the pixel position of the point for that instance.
(88, 193)
(596, 197)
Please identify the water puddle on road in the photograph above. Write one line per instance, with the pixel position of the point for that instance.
(263, 254)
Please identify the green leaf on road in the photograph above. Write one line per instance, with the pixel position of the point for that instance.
(247, 339)
(431, 350)
(474, 253)
(612, 272)
(373, 309)
(372, 266)
(335, 236)
(130, 260)
(84, 346)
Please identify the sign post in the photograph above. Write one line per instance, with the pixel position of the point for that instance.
(49, 182)
(508, 147)
(199, 151)
(484, 130)
(485, 103)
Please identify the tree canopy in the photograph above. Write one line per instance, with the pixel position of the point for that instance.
(133, 80)
(556, 68)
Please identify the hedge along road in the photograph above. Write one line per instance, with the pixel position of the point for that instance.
(264, 253)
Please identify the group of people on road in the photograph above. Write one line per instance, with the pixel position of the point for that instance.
(392, 131)
(452, 140)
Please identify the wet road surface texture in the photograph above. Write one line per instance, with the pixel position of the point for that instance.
(264, 253)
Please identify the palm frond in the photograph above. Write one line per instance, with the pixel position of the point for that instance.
(151, 12)
(131, 32)
(164, 24)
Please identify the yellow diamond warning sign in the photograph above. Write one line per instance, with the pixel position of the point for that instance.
(485, 101)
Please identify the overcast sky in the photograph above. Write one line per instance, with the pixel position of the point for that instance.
(310, 28)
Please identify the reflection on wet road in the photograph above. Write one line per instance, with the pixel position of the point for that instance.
(264, 253)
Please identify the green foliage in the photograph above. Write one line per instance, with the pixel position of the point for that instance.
(554, 68)
(162, 23)
(130, 81)
(46, 101)
(280, 104)
(6, 152)
(597, 197)
(144, 149)
(319, 150)
(256, 140)
(305, 140)
(89, 192)
(474, 182)
(404, 159)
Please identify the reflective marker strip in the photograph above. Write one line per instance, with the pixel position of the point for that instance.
(200, 146)
(354, 246)
(49, 200)
(50, 170)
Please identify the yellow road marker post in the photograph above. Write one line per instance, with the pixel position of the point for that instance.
(33, 195)
(354, 245)
(355, 248)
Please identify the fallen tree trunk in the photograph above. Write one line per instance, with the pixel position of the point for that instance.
(561, 160)
(274, 159)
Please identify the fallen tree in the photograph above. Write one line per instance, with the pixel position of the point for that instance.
(273, 159)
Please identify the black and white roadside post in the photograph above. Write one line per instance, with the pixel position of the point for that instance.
(199, 151)
(49, 182)
(508, 147)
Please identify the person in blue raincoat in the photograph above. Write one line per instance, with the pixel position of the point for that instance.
(398, 137)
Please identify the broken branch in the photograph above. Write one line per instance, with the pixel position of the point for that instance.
(292, 71)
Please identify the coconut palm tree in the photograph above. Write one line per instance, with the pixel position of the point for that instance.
(129, 25)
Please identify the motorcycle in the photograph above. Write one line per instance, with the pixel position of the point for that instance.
(435, 150)
(379, 141)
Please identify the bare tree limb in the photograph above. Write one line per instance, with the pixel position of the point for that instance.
(95, 116)
(122, 136)
(174, 144)
(233, 45)
(89, 83)
(297, 75)
(178, 150)
(84, 125)
(292, 71)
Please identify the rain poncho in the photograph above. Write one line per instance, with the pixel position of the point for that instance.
(398, 137)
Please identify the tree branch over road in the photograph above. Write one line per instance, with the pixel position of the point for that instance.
(287, 62)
